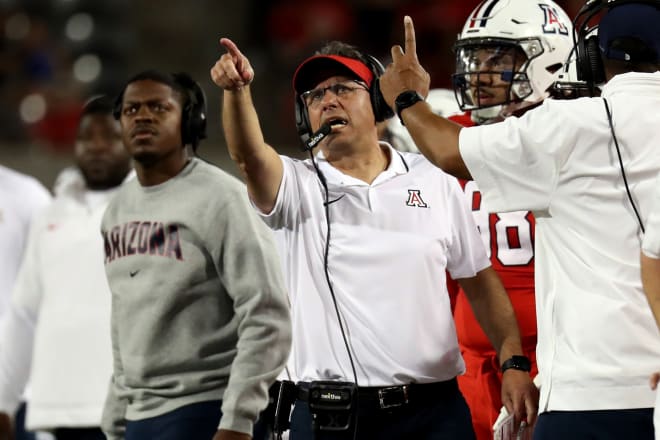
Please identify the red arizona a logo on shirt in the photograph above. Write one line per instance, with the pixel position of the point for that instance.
(415, 199)
(142, 238)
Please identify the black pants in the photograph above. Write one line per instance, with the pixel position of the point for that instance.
(620, 424)
(79, 434)
(196, 421)
(19, 425)
(446, 417)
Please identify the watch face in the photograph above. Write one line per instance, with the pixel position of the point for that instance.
(521, 360)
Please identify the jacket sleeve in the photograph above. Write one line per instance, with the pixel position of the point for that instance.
(17, 341)
(18, 325)
(249, 267)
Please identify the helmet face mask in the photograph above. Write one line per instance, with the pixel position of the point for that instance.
(517, 45)
(490, 73)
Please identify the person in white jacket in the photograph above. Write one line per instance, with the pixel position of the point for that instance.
(22, 198)
(57, 329)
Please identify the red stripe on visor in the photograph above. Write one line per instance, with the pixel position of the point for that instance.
(320, 67)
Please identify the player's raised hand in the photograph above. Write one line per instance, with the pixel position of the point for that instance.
(232, 71)
(405, 72)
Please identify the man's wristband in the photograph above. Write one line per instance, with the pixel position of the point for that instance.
(521, 363)
(405, 100)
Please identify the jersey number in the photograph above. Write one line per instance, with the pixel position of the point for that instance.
(512, 231)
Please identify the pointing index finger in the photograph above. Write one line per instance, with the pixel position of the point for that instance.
(231, 47)
(411, 44)
(234, 51)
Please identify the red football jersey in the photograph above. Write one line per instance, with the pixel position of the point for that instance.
(509, 241)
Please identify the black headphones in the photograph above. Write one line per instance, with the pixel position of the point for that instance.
(193, 118)
(589, 62)
(193, 115)
(381, 110)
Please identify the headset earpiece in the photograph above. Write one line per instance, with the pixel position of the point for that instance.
(303, 126)
(594, 60)
(193, 116)
(382, 111)
(196, 123)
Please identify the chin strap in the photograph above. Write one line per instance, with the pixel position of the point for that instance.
(486, 115)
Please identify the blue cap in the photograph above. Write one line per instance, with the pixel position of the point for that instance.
(631, 20)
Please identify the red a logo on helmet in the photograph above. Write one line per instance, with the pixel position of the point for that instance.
(552, 23)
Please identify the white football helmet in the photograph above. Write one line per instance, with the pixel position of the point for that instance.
(442, 103)
(514, 46)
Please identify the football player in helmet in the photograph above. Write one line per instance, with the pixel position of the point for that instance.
(508, 55)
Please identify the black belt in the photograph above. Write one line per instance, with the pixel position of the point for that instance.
(398, 395)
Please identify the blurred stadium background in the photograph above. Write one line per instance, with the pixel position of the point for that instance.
(54, 54)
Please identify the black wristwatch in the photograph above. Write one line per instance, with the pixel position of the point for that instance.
(521, 363)
(405, 100)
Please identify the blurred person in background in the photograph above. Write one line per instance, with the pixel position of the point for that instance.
(22, 198)
(56, 334)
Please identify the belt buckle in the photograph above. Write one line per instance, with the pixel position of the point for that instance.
(393, 397)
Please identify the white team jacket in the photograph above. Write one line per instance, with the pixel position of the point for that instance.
(22, 197)
(59, 317)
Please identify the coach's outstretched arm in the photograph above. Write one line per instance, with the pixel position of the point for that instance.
(259, 163)
(435, 136)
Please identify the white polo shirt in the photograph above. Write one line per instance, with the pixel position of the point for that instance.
(597, 340)
(390, 244)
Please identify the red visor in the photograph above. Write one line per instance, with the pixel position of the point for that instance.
(319, 67)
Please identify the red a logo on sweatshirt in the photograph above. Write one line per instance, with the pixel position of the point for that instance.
(415, 199)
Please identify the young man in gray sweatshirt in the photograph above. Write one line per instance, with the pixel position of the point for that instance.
(200, 321)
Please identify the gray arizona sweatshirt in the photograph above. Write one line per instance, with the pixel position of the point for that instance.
(199, 311)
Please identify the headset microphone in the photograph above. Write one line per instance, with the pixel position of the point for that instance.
(317, 137)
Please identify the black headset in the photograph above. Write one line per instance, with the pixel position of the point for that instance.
(193, 115)
(382, 111)
(589, 62)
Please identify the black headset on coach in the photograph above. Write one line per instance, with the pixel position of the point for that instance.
(589, 61)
